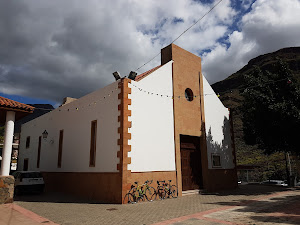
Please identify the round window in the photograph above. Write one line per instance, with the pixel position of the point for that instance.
(189, 94)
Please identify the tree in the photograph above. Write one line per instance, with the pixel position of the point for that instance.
(271, 109)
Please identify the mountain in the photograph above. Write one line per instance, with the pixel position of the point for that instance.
(230, 91)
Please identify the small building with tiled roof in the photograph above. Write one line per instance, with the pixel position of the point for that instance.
(164, 124)
(11, 105)
(10, 111)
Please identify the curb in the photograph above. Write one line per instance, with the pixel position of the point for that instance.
(29, 214)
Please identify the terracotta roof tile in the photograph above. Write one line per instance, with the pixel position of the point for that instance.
(143, 75)
(8, 103)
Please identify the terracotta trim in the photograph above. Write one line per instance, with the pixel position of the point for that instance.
(122, 154)
(147, 73)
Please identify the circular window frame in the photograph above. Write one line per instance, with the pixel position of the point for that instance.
(189, 95)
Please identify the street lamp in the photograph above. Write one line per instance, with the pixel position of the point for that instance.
(45, 134)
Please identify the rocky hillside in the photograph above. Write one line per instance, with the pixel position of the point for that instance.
(230, 94)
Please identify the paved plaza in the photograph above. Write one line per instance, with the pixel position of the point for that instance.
(250, 204)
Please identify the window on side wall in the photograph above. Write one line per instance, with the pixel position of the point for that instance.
(28, 142)
(39, 152)
(93, 143)
(60, 148)
(216, 160)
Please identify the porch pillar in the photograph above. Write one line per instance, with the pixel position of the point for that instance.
(8, 140)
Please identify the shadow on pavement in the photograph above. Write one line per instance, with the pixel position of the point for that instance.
(55, 197)
(250, 189)
(276, 209)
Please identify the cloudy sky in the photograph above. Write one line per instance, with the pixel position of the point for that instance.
(58, 48)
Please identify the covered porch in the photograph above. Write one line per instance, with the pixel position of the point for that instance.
(10, 111)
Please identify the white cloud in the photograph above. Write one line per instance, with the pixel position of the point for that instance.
(269, 26)
(58, 48)
(53, 49)
(64, 48)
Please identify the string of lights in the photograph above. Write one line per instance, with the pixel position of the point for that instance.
(157, 94)
(105, 97)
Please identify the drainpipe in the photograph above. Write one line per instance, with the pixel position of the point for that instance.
(8, 140)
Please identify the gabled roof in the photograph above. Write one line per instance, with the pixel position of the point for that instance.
(143, 75)
(11, 104)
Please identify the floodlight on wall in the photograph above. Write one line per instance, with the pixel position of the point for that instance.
(117, 75)
(45, 135)
(132, 75)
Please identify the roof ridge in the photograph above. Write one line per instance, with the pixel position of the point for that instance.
(143, 75)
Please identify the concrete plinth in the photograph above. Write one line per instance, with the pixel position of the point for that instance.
(6, 189)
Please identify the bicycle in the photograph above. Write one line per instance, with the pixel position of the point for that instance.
(166, 190)
(159, 191)
(171, 190)
(139, 193)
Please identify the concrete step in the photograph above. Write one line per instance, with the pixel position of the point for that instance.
(191, 192)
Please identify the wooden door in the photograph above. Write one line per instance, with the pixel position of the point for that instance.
(191, 167)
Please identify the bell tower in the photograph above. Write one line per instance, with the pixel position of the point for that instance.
(189, 118)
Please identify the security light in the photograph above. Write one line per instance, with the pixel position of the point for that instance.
(132, 75)
(45, 134)
(117, 75)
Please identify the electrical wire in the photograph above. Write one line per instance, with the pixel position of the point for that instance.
(214, 6)
(164, 95)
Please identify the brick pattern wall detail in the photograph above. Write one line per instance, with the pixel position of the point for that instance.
(124, 135)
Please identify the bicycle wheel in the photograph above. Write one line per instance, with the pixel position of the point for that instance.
(129, 198)
(173, 191)
(149, 194)
(161, 193)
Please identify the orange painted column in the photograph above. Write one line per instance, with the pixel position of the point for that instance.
(124, 136)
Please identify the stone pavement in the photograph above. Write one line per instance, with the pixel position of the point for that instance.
(250, 204)
(12, 214)
(277, 208)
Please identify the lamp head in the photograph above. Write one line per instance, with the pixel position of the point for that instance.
(132, 75)
(117, 75)
(45, 134)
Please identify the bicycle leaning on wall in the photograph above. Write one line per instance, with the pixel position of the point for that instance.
(139, 193)
(165, 190)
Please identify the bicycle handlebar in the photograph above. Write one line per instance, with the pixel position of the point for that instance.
(163, 181)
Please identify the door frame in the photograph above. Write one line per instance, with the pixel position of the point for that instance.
(196, 140)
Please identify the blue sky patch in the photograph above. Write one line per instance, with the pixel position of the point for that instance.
(177, 20)
(27, 100)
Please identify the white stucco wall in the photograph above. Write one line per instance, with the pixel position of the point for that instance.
(77, 133)
(152, 131)
(217, 127)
